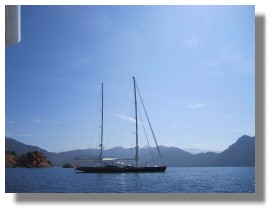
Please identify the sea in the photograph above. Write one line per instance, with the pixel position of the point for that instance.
(174, 180)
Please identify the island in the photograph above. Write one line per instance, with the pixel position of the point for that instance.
(67, 165)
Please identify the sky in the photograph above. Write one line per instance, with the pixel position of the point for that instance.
(194, 67)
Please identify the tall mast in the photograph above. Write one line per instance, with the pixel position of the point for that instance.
(136, 158)
(101, 138)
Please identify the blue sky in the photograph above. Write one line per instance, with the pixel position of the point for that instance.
(194, 67)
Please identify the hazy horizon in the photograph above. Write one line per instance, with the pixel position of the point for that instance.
(187, 149)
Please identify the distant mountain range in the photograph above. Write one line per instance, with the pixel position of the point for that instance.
(198, 151)
(240, 153)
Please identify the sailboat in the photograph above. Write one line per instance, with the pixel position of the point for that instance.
(119, 167)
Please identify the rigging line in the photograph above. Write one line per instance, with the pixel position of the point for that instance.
(94, 126)
(117, 125)
(150, 125)
(98, 121)
(132, 126)
(119, 129)
(146, 135)
(88, 136)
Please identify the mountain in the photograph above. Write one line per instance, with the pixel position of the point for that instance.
(241, 153)
(198, 151)
(174, 156)
(21, 148)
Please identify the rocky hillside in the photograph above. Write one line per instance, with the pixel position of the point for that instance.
(33, 159)
(10, 159)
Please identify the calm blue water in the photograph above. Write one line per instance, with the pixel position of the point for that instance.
(178, 180)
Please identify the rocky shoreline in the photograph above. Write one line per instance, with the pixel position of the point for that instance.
(32, 159)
